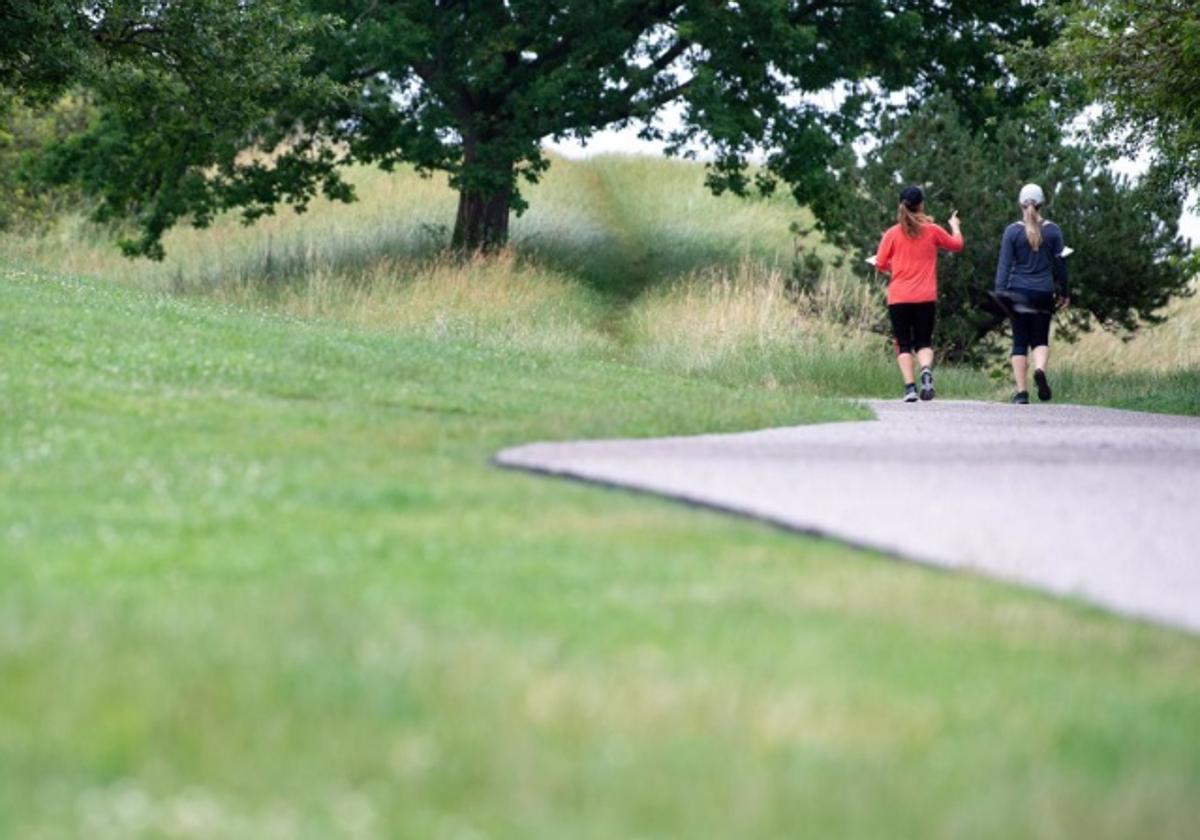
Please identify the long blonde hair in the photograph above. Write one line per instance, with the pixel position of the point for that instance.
(911, 221)
(1033, 225)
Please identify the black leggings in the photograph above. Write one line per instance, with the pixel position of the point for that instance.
(1032, 329)
(912, 325)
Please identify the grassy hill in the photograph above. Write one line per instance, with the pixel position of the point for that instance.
(259, 579)
(618, 257)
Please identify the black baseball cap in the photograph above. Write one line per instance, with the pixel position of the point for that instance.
(913, 197)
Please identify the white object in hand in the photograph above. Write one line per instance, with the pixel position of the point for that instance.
(1066, 252)
(871, 260)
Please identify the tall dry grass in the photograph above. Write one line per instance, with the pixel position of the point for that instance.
(499, 300)
(396, 215)
(705, 320)
(746, 324)
(1162, 349)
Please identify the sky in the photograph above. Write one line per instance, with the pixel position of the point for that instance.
(627, 142)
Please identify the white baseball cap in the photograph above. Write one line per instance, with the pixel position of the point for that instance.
(1031, 194)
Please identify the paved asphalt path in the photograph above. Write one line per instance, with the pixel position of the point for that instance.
(1095, 503)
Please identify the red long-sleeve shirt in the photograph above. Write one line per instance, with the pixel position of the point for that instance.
(913, 262)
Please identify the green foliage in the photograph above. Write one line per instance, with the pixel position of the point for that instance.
(187, 91)
(1128, 259)
(472, 89)
(1141, 60)
(26, 132)
(44, 45)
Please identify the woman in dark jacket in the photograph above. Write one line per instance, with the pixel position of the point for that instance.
(1031, 281)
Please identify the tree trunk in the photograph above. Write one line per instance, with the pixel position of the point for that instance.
(485, 187)
(482, 221)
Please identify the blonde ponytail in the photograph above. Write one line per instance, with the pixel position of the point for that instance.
(910, 221)
(1033, 226)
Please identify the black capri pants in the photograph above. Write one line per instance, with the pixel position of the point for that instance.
(912, 325)
(1032, 329)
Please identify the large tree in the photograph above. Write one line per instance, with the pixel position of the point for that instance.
(1141, 61)
(472, 87)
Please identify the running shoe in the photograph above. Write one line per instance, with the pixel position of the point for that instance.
(910, 393)
(926, 384)
(1044, 392)
(1021, 398)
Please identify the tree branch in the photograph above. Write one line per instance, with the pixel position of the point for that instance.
(626, 108)
(639, 17)
(801, 13)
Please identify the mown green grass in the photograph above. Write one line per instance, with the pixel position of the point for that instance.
(259, 580)
(1176, 392)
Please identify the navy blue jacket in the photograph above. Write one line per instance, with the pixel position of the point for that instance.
(1021, 267)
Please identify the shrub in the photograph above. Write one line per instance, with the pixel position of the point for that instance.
(25, 132)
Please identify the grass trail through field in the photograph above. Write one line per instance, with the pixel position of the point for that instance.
(625, 270)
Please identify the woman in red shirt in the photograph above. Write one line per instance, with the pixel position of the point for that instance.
(909, 252)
